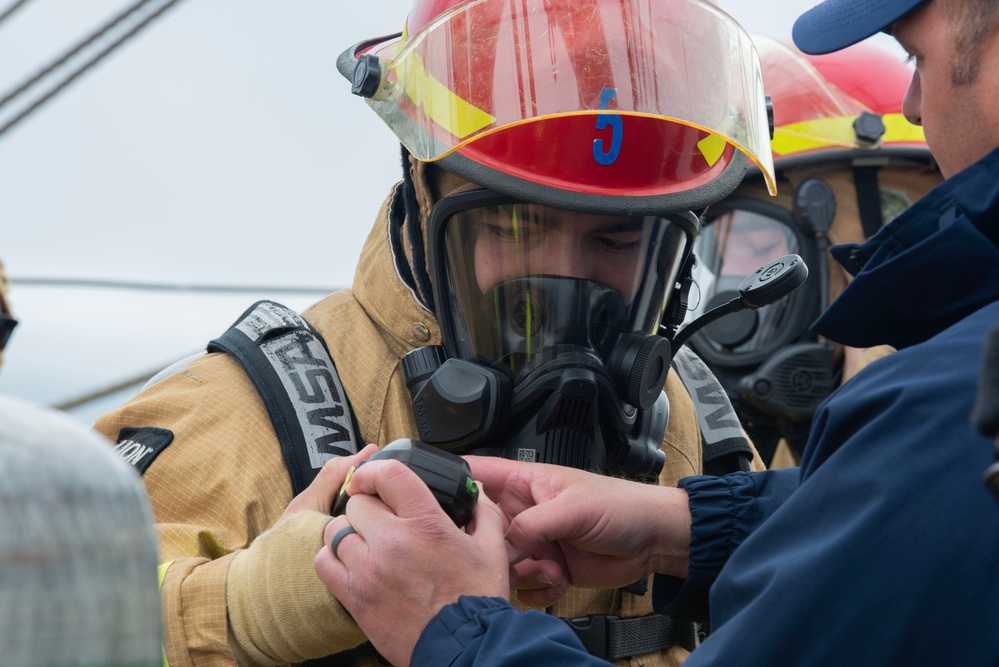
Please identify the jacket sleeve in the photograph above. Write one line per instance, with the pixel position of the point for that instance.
(724, 511)
(889, 541)
(217, 484)
(490, 631)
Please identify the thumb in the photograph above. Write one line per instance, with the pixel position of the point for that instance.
(538, 526)
(487, 521)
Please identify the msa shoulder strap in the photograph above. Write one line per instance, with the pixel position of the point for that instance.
(726, 447)
(292, 370)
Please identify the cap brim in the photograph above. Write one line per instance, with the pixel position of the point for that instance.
(837, 24)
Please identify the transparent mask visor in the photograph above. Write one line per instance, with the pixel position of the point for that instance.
(729, 248)
(524, 280)
(486, 65)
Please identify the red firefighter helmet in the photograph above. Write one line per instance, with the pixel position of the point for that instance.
(637, 106)
(822, 106)
(847, 163)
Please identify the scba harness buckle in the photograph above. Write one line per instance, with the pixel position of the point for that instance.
(611, 637)
(592, 631)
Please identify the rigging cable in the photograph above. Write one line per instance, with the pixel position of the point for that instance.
(144, 377)
(10, 10)
(99, 283)
(92, 396)
(74, 74)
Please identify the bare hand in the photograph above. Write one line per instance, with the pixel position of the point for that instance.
(407, 559)
(571, 527)
(323, 490)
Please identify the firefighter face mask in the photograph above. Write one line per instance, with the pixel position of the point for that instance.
(547, 318)
(775, 371)
(733, 243)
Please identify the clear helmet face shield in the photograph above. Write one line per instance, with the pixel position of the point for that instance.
(670, 90)
(558, 311)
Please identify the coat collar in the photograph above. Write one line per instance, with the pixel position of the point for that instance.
(383, 293)
(932, 266)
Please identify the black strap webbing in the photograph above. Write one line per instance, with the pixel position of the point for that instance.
(612, 638)
(364, 652)
(865, 180)
(292, 370)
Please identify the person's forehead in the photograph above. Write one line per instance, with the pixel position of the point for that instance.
(899, 35)
(911, 31)
(902, 36)
(567, 220)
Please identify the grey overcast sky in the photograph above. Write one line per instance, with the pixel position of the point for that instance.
(219, 146)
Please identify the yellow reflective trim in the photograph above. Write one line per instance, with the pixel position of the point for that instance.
(812, 134)
(767, 168)
(838, 132)
(456, 115)
(160, 574)
(712, 147)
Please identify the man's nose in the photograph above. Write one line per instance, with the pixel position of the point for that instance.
(565, 258)
(912, 107)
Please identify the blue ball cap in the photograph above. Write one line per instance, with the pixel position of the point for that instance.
(837, 24)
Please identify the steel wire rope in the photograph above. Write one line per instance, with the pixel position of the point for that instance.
(45, 71)
(109, 390)
(145, 376)
(99, 283)
(73, 75)
(4, 14)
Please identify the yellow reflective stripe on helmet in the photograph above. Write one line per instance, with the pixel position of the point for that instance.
(712, 147)
(897, 128)
(812, 134)
(456, 115)
(160, 574)
(838, 131)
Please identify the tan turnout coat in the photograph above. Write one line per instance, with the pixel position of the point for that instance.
(223, 481)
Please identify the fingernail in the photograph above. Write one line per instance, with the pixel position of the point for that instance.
(512, 554)
(544, 580)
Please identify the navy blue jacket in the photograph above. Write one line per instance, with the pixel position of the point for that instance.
(883, 548)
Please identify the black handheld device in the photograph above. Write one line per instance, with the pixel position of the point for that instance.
(447, 475)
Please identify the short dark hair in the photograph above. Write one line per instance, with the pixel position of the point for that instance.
(973, 21)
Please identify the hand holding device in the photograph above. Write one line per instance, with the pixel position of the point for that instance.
(447, 476)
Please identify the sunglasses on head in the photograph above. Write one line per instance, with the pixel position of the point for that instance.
(7, 326)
